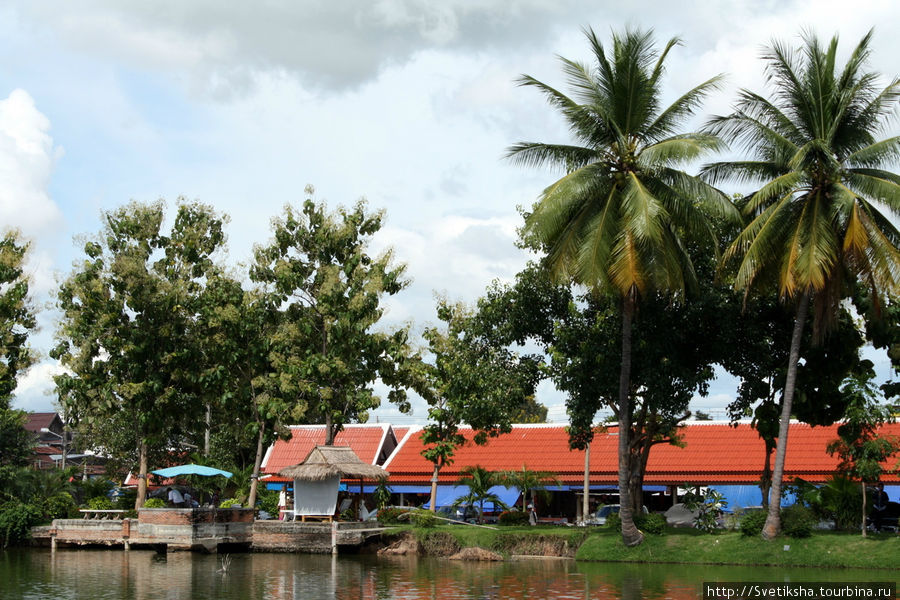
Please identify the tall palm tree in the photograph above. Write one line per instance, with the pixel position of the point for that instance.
(614, 221)
(819, 220)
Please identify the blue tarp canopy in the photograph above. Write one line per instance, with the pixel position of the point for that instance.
(190, 469)
(447, 495)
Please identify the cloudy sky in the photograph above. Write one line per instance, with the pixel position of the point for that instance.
(409, 103)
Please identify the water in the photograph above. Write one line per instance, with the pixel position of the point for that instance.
(33, 574)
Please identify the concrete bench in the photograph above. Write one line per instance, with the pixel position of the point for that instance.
(96, 513)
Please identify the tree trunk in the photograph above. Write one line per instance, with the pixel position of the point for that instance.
(434, 482)
(142, 475)
(586, 500)
(631, 536)
(863, 484)
(765, 482)
(254, 479)
(773, 521)
(329, 429)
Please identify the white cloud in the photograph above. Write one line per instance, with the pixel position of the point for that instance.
(36, 391)
(27, 156)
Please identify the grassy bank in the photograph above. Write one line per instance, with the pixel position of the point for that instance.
(826, 549)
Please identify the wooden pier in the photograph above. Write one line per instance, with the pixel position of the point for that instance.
(205, 530)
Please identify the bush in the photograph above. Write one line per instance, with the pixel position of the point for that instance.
(100, 503)
(752, 523)
(16, 521)
(59, 506)
(513, 517)
(155, 503)
(614, 521)
(130, 514)
(230, 503)
(391, 515)
(797, 521)
(268, 501)
(126, 499)
(423, 518)
(653, 523)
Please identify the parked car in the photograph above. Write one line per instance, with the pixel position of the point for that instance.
(599, 517)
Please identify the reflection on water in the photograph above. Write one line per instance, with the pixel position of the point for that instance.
(144, 575)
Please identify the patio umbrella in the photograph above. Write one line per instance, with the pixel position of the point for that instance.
(190, 469)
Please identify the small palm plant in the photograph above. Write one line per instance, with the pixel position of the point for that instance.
(526, 480)
(479, 481)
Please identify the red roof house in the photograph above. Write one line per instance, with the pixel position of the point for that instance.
(712, 453)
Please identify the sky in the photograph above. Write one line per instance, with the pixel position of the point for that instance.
(410, 104)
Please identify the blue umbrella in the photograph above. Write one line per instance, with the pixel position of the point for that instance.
(190, 470)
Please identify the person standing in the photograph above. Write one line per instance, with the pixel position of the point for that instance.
(282, 502)
(175, 498)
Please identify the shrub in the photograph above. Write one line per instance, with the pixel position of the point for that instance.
(268, 501)
(230, 503)
(423, 518)
(653, 523)
(752, 523)
(613, 521)
(155, 503)
(513, 517)
(59, 506)
(391, 515)
(16, 521)
(100, 503)
(797, 521)
(126, 499)
(130, 514)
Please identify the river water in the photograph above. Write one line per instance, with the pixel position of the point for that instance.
(35, 574)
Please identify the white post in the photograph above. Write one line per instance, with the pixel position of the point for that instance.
(334, 533)
(585, 502)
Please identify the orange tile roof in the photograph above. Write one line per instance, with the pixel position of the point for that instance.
(366, 440)
(711, 453)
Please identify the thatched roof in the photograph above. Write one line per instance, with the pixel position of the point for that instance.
(327, 461)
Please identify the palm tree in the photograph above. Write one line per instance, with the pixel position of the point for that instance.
(479, 481)
(817, 223)
(614, 221)
(526, 480)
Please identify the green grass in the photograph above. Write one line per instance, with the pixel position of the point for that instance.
(825, 549)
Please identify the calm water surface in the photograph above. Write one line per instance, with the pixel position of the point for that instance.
(143, 575)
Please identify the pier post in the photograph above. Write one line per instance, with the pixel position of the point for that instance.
(334, 535)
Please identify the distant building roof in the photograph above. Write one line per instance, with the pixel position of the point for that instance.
(44, 420)
(712, 452)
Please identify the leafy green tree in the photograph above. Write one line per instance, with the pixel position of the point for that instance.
(238, 327)
(527, 481)
(129, 317)
(473, 381)
(819, 222)
(859, 446)
(755, 349)
(327, 349)
(614, 221)
(17, 320)
(479, 481)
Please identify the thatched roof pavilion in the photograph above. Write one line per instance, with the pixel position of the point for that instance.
(325, 462)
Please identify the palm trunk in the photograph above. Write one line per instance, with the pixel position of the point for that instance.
(773, 522)
(631, 536)
(765, 482)
(434, 482)
(142, 475)
(254, 479)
